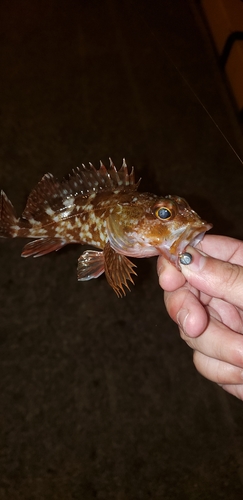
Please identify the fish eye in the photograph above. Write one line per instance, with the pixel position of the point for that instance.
(165, 210)
(163, 213)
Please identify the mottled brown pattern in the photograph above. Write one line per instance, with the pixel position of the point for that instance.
(101, 208)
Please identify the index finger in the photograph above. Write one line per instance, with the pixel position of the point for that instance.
(215, 277)
(223, 248)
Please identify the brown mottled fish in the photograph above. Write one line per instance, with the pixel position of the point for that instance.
(102, 208)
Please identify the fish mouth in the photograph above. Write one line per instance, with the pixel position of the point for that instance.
(198, 238)
(190, 236)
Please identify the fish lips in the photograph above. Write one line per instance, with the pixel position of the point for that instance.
(190, 236)
(199, 236)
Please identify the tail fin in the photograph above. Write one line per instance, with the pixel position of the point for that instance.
(8, 220)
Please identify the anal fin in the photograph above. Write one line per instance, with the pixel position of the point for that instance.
(42, 246)
(118, 270)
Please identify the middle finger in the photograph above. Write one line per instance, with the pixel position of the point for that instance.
(219, 342)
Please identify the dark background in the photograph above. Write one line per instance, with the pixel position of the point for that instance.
(99, 397)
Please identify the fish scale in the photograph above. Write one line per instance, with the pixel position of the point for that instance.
(103, 209)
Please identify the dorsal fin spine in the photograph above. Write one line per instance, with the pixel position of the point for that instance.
(50, 193)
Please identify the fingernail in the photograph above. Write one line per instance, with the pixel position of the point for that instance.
(182, 316)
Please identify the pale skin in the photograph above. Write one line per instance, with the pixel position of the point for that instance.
(205, 299)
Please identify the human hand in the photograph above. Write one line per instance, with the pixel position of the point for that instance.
(206, 301)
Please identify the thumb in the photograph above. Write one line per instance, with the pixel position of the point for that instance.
(215, 277)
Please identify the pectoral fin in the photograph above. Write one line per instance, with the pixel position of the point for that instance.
(90, 265)
(118, 270)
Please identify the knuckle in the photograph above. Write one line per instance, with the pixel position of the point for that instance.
(233, 277)
(236, 357)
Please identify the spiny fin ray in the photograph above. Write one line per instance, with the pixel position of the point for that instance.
(50, 194)
(118, 270)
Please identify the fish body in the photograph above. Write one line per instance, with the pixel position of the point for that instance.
(103, 209)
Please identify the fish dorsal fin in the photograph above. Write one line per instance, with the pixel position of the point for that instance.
(86, 180)
(51, 195)
(45, 196)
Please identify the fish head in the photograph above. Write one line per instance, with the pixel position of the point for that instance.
(155, 226)
(182, 227)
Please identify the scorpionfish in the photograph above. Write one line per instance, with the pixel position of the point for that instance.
(103, 209)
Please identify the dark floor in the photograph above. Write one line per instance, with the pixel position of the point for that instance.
(99, 397)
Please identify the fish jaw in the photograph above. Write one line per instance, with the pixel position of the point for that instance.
(172, 249)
